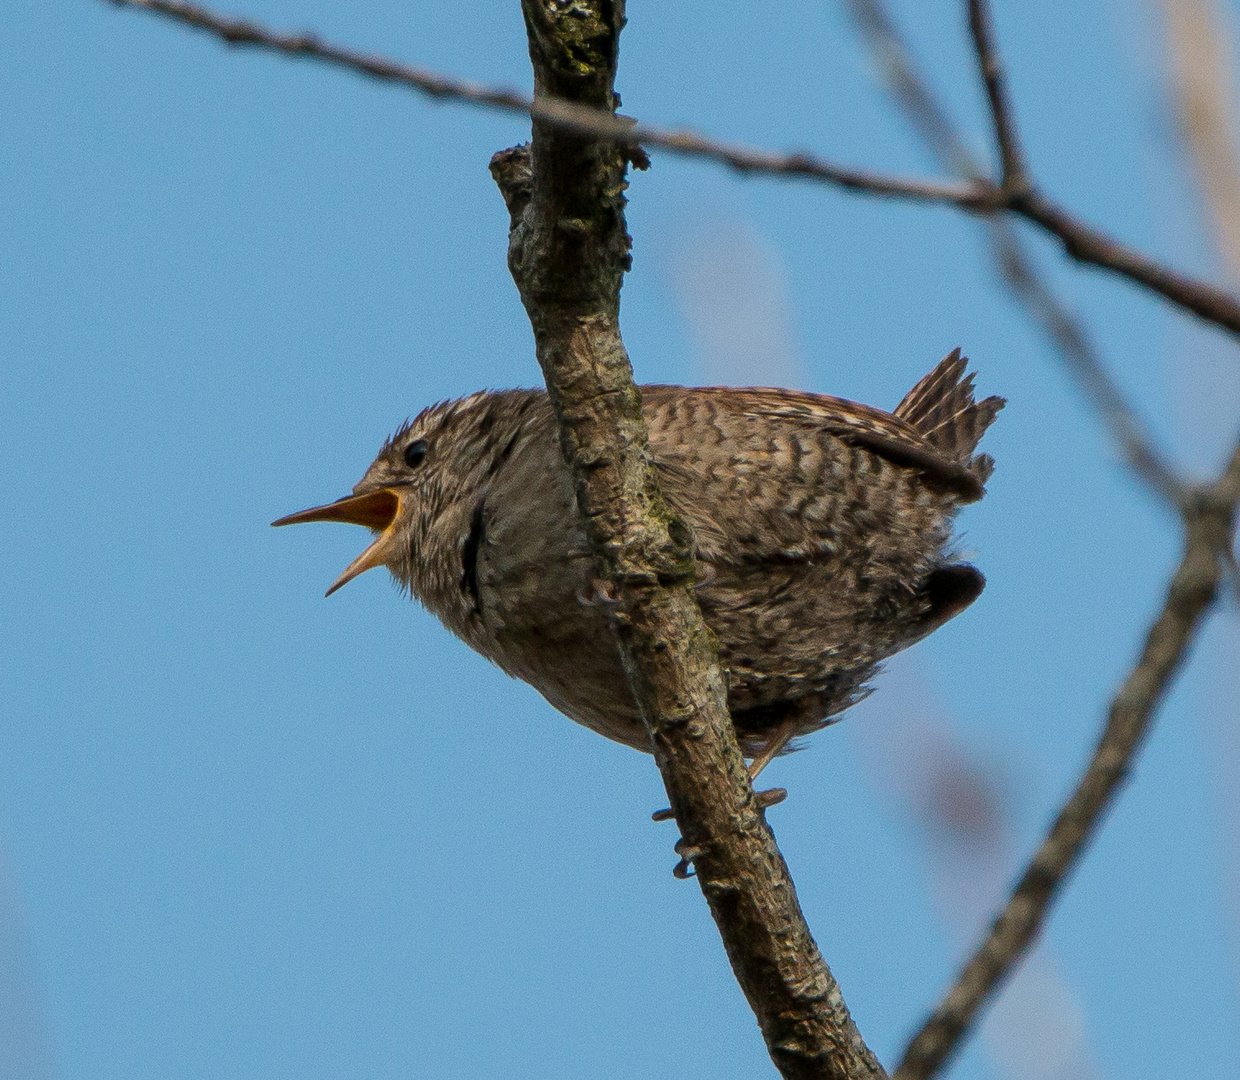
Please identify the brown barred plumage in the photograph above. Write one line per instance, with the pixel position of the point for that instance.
(821, 529)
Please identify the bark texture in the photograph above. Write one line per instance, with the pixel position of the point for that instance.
(568, 253)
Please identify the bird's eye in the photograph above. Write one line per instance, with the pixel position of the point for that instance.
(415, 452)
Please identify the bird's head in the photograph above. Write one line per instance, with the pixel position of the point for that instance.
(410, 489)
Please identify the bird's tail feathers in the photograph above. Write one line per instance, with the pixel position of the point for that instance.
(942, 409)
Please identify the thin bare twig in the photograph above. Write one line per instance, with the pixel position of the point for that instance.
(1087, 245)
(911, 92)
(567, 114)
(1014, 177)
(245, 32)
(1231, 570)
(1080, 241)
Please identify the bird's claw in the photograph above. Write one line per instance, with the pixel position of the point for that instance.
(682, 870)
(763, 799)
(771, 797)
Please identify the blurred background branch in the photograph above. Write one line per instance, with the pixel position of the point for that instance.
(1200, 71)
(1209, 532)
(1189, 598)
(1066, 332)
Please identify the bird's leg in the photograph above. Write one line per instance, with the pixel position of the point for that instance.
(776, 739)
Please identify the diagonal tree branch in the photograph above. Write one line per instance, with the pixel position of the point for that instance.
(245, 32)
(568, 251)
(1071, 339)
(1080, 241)
(1209, 527)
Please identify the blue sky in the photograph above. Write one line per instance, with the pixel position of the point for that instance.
(246, 831)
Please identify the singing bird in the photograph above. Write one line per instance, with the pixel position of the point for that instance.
(821, 532)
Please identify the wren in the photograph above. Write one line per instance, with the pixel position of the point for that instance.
(821, 532)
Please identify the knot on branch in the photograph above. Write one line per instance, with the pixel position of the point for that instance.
(513, 172)
(568, 247)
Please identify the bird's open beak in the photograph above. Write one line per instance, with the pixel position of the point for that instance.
(376, 510)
